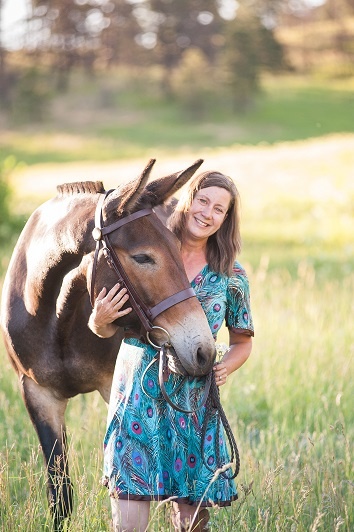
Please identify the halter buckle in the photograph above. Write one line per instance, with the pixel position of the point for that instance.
(97, 234)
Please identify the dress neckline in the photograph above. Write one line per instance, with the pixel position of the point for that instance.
(199, 273)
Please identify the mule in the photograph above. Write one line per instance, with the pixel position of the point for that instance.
(46, 305)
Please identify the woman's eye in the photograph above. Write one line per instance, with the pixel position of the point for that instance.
(142, 258)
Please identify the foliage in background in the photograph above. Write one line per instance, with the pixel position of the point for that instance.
(65, 36)
(250, 49)
(192, 84)
(10, 224)
(4, 189)
(239, 42)
(119, 117)
(30, 97)
(6, 165)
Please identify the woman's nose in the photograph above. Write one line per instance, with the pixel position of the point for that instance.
(207, 211)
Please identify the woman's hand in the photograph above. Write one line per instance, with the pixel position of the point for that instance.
(107, 309)
(220, 372)
(237, 354)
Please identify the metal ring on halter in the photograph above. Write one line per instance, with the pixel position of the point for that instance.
(167, 344)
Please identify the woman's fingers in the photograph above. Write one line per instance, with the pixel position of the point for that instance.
(120, 298)
(121, 313)
(108, 304)
(101, 294)
(112, 292)
(220, 373)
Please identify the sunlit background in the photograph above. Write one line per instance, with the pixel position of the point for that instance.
(262, 90)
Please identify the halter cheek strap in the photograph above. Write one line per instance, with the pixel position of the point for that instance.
(101, 235)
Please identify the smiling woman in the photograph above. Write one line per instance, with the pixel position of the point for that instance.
(174, 450)
(211, 204)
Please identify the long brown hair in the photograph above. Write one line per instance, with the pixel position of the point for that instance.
(224, 245)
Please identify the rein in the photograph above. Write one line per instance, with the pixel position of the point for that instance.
(146, 315)
(213, 404)
(164, 372)
(210, 400)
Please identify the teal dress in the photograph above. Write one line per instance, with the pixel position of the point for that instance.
(152, 451)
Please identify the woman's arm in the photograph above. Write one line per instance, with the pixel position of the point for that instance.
(239, 351)
(106, 310)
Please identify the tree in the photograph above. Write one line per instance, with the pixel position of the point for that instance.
(4, 85)
(182, 24)
(249, 48)
(82, 32)
(118, 38)
(192, 83)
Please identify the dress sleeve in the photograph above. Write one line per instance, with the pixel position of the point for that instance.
(238, 315)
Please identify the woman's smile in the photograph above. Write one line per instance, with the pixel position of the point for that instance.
(200, 222)
(207, 212)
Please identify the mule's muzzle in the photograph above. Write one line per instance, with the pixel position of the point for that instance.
(204, 362)
(174, 363)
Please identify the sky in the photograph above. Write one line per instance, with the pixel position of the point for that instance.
(14, 13)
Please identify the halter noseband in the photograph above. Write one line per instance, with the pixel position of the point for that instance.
(100, 233)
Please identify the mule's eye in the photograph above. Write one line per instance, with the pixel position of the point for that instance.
(143, 259)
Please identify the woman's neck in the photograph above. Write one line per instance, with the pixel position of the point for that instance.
(194, 257)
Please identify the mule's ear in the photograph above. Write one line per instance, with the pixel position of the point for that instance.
(125, 197)
(165, 187)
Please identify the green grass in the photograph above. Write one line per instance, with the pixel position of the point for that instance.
(290, 408)
(300, 110)
(138, 119)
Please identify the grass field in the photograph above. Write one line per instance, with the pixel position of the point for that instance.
(136, 120)
(291, 405)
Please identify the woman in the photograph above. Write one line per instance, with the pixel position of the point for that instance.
(206, 220)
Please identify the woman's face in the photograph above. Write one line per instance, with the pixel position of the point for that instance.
(207, 212)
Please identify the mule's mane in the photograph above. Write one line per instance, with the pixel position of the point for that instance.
(83, 187)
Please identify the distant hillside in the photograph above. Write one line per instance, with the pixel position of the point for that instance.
(325, 47)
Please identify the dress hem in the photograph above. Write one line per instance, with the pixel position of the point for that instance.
(173, 498)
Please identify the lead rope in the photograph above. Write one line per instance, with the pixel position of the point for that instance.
(211, 400)
(161, 359)
(213, 405)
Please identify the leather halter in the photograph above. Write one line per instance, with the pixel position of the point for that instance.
(100, 234)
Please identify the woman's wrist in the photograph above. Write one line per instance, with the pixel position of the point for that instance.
(103, 330)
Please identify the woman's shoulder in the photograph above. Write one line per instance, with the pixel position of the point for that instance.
(238, 278)
(238, 270)
(237, 275)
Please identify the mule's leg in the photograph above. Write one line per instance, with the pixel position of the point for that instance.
(105, 391)
(47, 413)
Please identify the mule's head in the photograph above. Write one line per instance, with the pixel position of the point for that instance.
(150, 255)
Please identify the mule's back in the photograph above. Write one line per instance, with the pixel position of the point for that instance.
(45, 305)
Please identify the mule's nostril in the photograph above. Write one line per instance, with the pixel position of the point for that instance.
(204, 359)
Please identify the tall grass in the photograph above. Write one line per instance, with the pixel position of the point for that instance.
(290, 405)
(290, 408)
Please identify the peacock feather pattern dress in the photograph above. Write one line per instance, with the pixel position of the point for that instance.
(152, 451)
